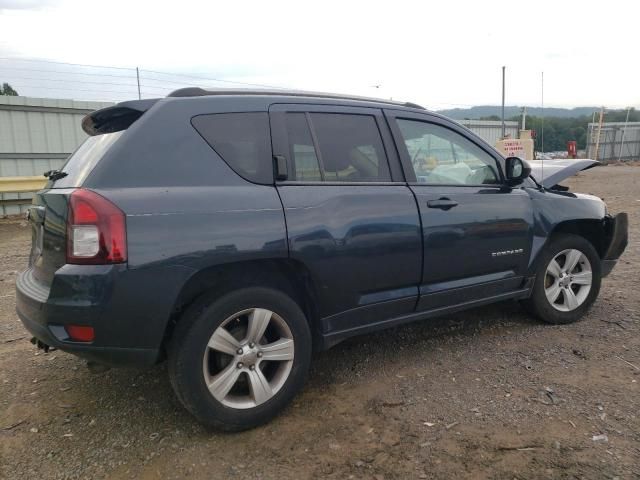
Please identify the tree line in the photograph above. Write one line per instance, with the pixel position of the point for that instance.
(6, 89)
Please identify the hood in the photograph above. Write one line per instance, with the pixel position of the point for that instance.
(557, 170)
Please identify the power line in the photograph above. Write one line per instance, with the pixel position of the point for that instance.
(170, 81)
(190, 80)
(69, 72)
(73, 89)
(75, 81)
(149, 71)
(62, 63)
(88, 82)
(213, 79)
(132, 85)
(157, 87)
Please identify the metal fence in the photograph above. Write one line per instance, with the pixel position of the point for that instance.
(614, 141)
(491, 130)
(36, 135)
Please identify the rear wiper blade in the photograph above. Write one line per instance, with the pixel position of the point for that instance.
(54, 175)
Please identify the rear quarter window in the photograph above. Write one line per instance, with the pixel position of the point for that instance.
(243, 140)
(81, 162)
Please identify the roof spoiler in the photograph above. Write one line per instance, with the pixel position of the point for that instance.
(117, 117)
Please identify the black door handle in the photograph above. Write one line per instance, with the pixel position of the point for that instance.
(442, 203)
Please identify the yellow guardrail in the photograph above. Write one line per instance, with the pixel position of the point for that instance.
(21, 184)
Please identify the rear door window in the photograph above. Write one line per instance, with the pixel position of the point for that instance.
(301, 149)
(243, 140)
(350, 148)
(336, 147)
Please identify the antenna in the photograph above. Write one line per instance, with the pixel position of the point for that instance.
(542, 137)
(503, 126)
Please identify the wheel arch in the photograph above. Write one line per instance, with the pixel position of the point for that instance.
(593, 230)
(286, 275)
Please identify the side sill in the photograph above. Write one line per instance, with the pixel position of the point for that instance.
(331, 339)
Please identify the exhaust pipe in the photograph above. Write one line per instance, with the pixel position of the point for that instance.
(94, 367)
(41, 345)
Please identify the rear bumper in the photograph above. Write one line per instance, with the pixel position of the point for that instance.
(617, 230)
(44, 315)
(113, 356)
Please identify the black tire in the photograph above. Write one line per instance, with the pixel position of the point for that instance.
(538, 304)
(189, 343)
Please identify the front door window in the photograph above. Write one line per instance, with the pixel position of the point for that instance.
(440, 156)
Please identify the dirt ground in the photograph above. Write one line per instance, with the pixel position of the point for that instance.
(489, 393)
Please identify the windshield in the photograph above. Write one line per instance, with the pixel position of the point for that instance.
(81, 162)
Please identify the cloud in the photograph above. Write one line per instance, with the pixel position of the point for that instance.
(25, 4)
(450, 55)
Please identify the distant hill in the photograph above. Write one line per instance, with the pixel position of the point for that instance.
(511, 111)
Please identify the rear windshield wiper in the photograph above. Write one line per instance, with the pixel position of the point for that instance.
(54, 175)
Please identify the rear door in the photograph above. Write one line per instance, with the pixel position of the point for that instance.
(351, 219)
(477, 233)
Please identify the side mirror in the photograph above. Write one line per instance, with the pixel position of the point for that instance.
(516, 170)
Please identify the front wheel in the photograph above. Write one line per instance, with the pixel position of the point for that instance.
(236, 361)
(567, 280)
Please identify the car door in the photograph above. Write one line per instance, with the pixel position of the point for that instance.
(477, 232)
(352, 221)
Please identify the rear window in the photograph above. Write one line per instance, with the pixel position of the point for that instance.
(243, 141)
(81, 162)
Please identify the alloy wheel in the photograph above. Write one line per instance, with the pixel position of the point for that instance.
(568, 280)
(248, 358)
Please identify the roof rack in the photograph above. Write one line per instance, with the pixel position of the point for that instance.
(201, 92)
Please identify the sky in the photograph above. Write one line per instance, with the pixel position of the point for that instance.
(440, 54)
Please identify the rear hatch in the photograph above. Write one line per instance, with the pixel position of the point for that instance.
(48, 214)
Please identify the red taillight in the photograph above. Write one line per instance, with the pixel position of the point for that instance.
(96, 230)
(80, 333)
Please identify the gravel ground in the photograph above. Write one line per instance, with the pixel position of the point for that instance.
(488, 393)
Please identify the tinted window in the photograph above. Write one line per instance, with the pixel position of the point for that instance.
(351, 148)
(242, 140)
(301, 150)
(441, 156)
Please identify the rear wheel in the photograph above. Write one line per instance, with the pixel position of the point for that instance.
(235, 362)
(567, 280)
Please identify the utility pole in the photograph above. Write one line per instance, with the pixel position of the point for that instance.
(592, 135)
(138, 77)
(503, 126)
(542, 120)
(599, 132)
(542, 131)
(524, 117)
(624, 131)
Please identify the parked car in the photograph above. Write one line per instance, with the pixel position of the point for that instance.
(232, 232)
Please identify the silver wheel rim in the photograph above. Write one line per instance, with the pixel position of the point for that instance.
(248, 358)
(568, 279)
